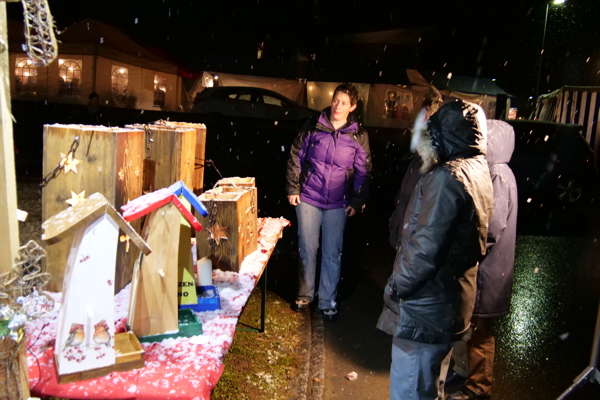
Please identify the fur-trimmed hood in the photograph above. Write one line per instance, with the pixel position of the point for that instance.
(456, 130)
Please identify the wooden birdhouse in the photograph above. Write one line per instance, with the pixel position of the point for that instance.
(169, 155)
(198, 179)
(104, 160)
(231, 226)
(153, 306)
(85, 339)
(186, 284)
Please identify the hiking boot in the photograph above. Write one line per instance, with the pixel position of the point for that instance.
(330, 315)
(300, 305)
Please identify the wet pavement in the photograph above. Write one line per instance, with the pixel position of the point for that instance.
(542, 345)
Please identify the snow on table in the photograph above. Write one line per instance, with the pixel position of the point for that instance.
(183, 368)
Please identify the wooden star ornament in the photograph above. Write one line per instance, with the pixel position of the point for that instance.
(217, 233)
(76, 198)
(69, 163)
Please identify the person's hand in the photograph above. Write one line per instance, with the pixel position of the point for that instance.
(294, 199)
(350, 211)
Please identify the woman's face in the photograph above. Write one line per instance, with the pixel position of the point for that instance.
(341, 107)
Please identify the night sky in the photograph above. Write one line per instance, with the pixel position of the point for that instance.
(500, 40)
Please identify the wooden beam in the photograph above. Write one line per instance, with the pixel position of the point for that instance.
(9, 229)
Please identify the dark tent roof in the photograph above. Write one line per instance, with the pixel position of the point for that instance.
(465, 84)
(93, 37)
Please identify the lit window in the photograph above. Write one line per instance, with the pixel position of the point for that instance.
(69, 77)
(160, 89)
(119, 82)
(25, 77)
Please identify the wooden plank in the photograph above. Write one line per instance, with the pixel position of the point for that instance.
(237, 181)
(591, 120)
(198, 179)
(128, 185)
(563, 113)
(574, 109)
(172, 149)
(111, 164)
(9, 229)
(583, 110)
(155, 309)
(236, 213)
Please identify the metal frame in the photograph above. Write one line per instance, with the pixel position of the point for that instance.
(591, 374)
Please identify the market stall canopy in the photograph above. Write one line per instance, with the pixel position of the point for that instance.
(464, 84)
(90, 37)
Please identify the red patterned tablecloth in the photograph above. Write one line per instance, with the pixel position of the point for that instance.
(184, 368)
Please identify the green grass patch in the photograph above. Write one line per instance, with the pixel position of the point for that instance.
(261, 365)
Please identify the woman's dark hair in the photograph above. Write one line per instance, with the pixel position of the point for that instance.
(433, 99)
(350, 90)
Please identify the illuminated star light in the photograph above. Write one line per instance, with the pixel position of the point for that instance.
(217, 233)
(76, 198)
(70, 163)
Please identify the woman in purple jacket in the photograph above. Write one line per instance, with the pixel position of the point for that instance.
(328, 177)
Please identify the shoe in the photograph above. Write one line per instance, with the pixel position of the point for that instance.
(467, 394)
(300, 305)
(455, 379)
(330, 315)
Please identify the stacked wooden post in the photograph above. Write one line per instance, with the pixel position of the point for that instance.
(111, 164)
(230, 232)
(170, 153)
(198, 179)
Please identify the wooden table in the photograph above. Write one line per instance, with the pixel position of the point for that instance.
(184, 368)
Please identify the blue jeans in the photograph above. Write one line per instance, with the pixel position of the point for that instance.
(418, 370)
(331, 223)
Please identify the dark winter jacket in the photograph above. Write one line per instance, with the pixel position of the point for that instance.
(389, 317)
(494, 278)
(330, 168)
(409, 181)
(445, 230)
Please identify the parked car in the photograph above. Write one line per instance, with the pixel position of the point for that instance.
(553, 164)
(249, 102)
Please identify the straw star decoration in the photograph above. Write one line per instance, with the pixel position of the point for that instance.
(69, 163)
(76, 198)
(217, 233)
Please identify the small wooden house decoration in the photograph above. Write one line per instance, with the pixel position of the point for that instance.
(231, 225)
(153, 306)
(85, 341)
(186, 284)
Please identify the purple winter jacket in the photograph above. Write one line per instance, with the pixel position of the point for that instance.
(330, 168)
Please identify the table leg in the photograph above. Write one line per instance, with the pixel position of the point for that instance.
(263, 305)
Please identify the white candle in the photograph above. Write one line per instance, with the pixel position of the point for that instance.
(204, 272)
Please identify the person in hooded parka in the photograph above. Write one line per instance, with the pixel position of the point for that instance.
(443, 240)
(495, 274)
